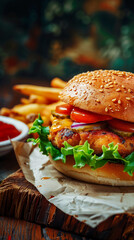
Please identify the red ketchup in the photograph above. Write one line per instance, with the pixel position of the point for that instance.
(8, 131)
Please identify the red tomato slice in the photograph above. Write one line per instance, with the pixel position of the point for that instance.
(80, 115)
(122, 125)
(64, 109)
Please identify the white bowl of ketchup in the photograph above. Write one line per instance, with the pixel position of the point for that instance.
(11, 130)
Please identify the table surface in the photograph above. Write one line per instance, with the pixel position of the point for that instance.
(19, 229)
(8, 165)
(12, 228)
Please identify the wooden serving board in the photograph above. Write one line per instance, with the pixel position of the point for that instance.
(20, 200)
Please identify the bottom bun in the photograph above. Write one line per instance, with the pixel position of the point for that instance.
(110, 174)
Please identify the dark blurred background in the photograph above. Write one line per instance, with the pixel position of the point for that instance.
(42, 39)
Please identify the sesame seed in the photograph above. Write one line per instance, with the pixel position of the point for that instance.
(110, 83)
(128, 98)
(106, 109)
(129, 90)
(97, 100)
(114, 100)
(123, 86)
(118, 90)
(101, 90)
(119, 101)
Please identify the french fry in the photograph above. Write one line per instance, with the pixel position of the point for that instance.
(38, 99)
(49, 93)
(25, 101)
(53, 105)
(8, 113)
(46, 120)
(50, 107)
(30, 125)
(58, 83)
(27, 109)
(5, 112)
(35, 99)
(18, 117)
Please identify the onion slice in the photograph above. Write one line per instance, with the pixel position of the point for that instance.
(77, 124)
(88, 126)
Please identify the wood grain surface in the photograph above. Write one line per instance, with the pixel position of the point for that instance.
(12, 229)
(21, 200)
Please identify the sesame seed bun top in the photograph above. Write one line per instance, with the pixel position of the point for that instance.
(107, 92)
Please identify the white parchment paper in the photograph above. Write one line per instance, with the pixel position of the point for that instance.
(90, 203)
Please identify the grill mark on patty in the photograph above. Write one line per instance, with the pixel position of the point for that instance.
(67, 133)
(122, 139)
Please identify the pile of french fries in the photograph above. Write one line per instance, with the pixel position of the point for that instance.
(40, 100)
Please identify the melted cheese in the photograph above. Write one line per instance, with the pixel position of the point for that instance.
(59, 124)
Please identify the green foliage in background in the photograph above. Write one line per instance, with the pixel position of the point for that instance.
(34, 33)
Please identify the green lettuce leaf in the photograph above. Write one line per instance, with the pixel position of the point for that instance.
(83, 154)
(45, 145)
(129, 164)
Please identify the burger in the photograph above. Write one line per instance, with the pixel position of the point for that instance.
(92, 133)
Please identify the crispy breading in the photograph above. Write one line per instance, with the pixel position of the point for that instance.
(96, 139)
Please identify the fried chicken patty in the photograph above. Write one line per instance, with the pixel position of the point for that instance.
(96, 139)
